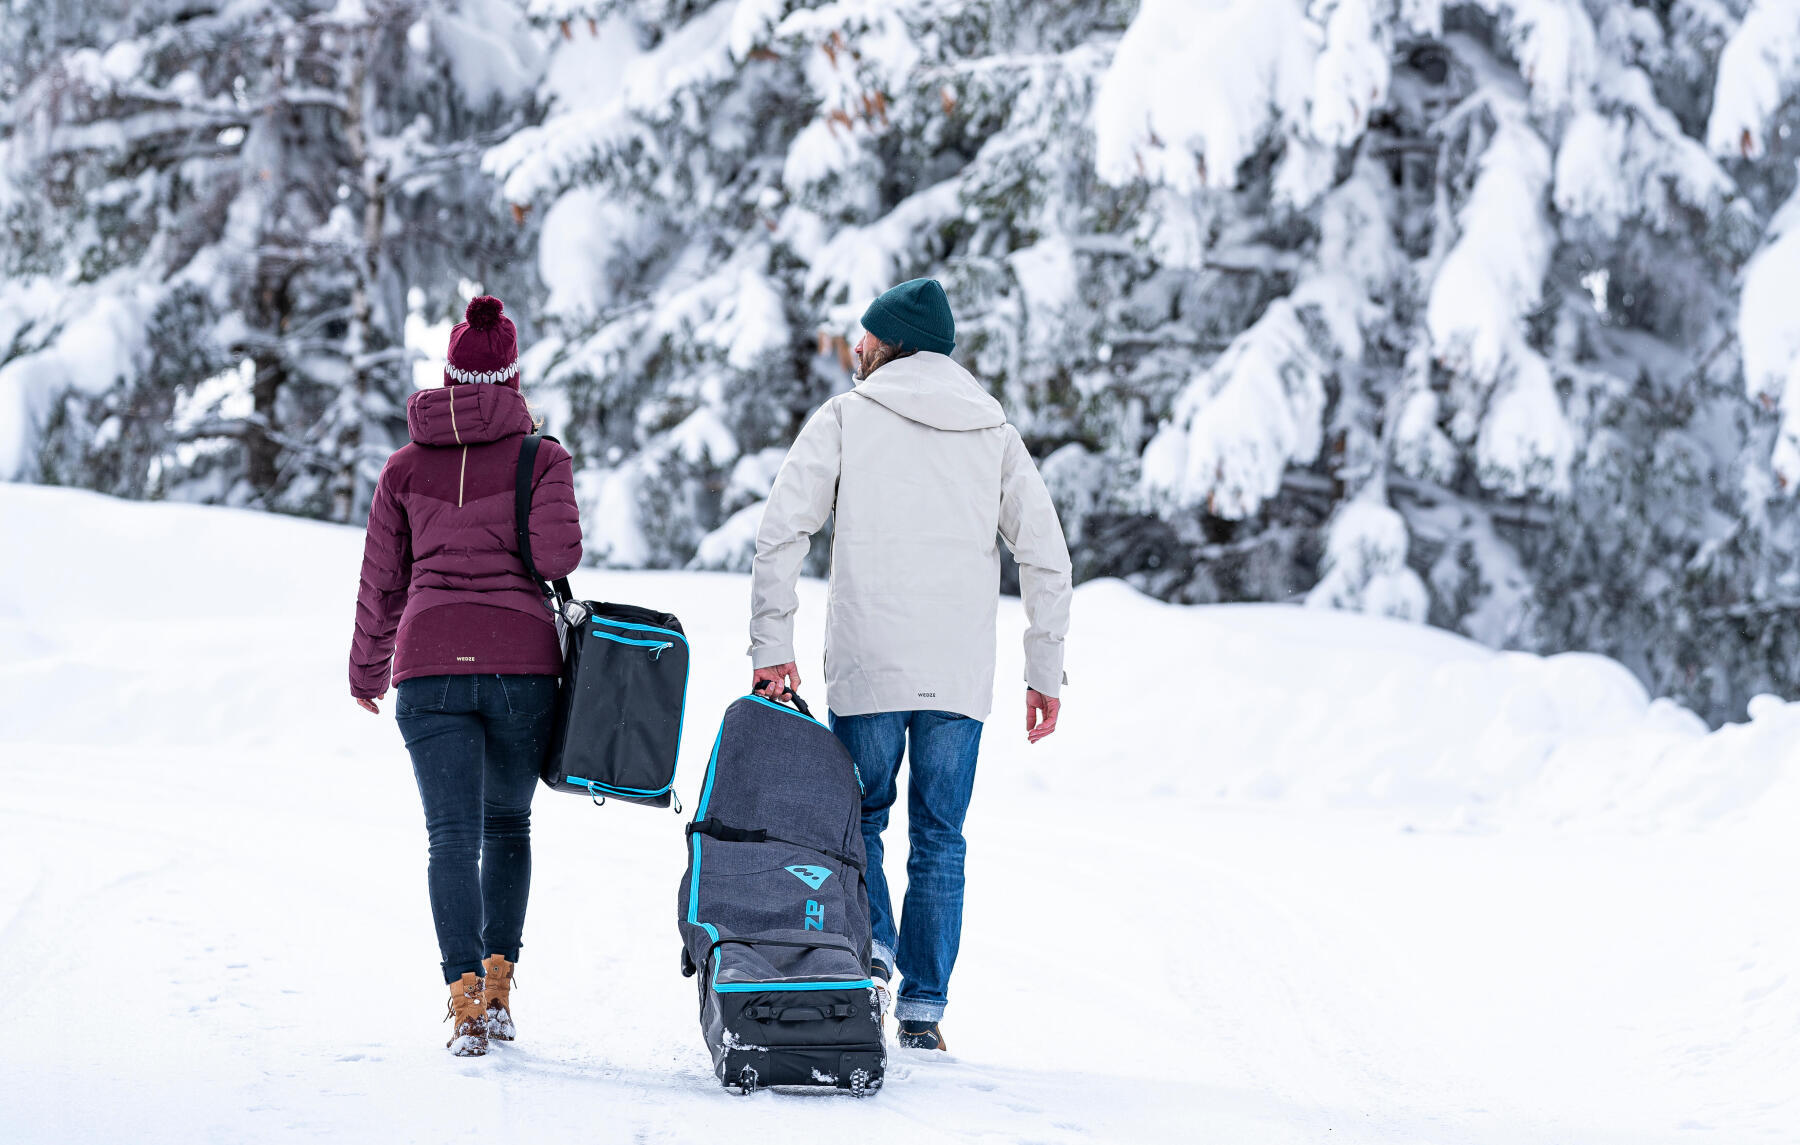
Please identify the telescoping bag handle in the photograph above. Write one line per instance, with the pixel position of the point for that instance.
(558, 594)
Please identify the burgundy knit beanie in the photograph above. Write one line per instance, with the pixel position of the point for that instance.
(484, 346)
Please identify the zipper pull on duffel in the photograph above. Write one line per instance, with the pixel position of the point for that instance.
(656, 653)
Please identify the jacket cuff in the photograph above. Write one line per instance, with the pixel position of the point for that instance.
(364, 691)
(1045, 683)
(771, 655)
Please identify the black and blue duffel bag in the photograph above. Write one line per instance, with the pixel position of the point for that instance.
(624, 686)
(774, 914)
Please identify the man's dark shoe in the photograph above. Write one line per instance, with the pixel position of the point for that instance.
(922, 1036)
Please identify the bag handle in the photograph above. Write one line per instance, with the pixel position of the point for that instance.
(559, 592)
(768, 1013)
(793, 698)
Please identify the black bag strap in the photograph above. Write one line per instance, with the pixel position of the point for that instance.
(522, 489)
(717, 829)
(793, 698)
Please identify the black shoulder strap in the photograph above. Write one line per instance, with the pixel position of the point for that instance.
(522, 489)
(724, 832)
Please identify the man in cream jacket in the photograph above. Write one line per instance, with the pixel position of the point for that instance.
(923, 474)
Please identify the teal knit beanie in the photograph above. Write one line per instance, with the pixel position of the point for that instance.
(914, 316)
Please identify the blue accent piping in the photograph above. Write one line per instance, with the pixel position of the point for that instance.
(609, 789)
(779, 987)
(637, 627)
(694, 879)
(659, 645)
(706, 790)
(780, 707)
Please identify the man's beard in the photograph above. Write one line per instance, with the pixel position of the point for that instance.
(876, 358)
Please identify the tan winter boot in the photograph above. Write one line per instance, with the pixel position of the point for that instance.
(469, 1011)
(499, 997)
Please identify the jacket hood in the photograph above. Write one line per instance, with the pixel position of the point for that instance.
(466, 415)
(933, 390)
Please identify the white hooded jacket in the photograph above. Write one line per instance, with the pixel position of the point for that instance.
(923, 473)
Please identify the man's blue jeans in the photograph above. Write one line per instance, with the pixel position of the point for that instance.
(942, 777)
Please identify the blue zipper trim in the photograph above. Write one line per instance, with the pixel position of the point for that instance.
(592, 784)
(706, 789)
(780, 987)
(637, 627)
(699, 814)
(659, 645)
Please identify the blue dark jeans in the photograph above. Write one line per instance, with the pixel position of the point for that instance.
(476, 744)
(941, 779)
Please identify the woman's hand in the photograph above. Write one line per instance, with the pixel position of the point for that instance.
(370, 705)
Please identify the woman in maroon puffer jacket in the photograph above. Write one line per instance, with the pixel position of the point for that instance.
(473, 647)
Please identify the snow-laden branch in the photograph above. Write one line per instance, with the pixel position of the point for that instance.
(1756, 70)
(1365, 562)
(1629, 159)
(605, 92)
(1769, 333)
(1495, 273)
(1195, 85)
(1491, 279)
(1259, 409)
(1238, 426)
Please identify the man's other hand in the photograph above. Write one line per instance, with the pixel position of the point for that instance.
(1040, 714)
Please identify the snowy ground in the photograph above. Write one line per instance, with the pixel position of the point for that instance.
(1285, 876)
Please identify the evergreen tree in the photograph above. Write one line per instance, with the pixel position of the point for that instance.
(1473, 313)
(214, 216)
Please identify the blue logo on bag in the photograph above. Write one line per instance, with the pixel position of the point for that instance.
(815, 915)
(813, 877)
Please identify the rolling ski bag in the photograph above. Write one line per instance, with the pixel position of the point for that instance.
(773, 911)
(624, 685)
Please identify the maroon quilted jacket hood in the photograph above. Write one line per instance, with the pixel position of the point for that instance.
(466, 415)
(443, 591)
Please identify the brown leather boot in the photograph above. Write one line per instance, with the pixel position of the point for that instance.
(499, 996)
(468, 1010)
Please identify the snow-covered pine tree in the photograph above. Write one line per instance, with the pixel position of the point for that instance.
(214, 216)
(1531, 354)
(652, 188)
(1289, 296)
(1472, 310)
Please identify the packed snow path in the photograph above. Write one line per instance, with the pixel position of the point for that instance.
(1284, 876)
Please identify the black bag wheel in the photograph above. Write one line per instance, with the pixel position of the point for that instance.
(862, 1085)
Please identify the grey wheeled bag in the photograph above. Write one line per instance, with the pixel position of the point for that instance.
(774, 914)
